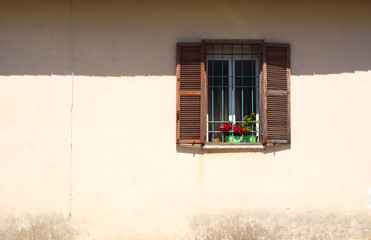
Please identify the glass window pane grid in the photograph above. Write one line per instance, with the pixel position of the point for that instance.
(232, 87)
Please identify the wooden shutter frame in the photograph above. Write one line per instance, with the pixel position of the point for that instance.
(266, 92)
(202, 92)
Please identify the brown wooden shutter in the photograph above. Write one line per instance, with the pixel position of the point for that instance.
(276, 98)
(190, 93)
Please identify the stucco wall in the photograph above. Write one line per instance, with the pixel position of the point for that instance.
(113, 163)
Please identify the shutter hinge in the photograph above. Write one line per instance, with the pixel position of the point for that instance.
(177, 115)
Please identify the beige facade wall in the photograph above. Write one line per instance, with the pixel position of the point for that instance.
(99, 144)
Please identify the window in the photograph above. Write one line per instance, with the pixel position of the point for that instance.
(233, 92)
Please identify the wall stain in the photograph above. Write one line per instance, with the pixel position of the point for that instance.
(41, 227)
(247, 226)
(266, 226)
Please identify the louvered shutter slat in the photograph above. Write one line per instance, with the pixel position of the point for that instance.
(276, 100)
(190, 99)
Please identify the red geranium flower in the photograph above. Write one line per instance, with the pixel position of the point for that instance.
(235, 127)
(225, 127)
(241, 130)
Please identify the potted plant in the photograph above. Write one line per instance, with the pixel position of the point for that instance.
(216, 140)
(248, 122)
(239, 132)
(237, 135)
(232, 132)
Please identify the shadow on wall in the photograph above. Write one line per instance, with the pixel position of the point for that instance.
(116, 38)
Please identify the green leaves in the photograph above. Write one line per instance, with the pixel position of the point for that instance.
(248, 121)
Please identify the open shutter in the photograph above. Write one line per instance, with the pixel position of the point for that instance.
(276, 98)
(190, 93)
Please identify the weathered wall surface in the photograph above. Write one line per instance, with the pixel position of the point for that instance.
(123, 175)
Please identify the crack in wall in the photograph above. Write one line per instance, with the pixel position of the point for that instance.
(72, 88)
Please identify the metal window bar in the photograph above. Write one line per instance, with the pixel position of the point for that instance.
(222, 91)
(242, 90)
(232, 97)
(212, 83)
(252, 90)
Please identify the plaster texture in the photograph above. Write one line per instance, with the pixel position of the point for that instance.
(87, 126)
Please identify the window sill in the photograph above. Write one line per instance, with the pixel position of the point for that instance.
(233, 146)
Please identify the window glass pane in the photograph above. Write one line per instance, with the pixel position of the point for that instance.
(218, 49)
(214, 133)
(246, 49)
(238, 49)
(217, 92)
(245, 88)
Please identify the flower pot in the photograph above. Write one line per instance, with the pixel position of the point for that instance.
(249, 138)
(232, 138)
